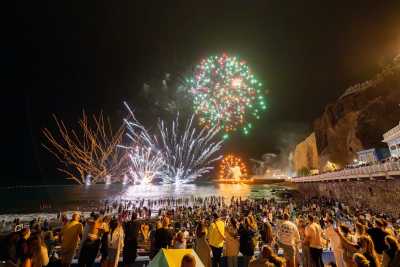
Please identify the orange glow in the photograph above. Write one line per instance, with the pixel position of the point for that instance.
(228, 164)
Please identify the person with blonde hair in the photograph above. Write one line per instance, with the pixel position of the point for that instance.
(360, 260)
(335, 242)
(70, 235)
(180, 241)
(347, 244)
(188, 260)
(38, 253)
(267, 258)
(360, 230)
(368, 250)
(252, 221)
(266, 233)
(115, 243)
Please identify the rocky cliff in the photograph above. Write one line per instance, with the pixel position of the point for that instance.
(356, 121)
(305, 154)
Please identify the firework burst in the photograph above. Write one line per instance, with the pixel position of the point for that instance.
(146, 161)
(175, 155)
(226, 93)
(146, 164)
(233, 167)
(188, 152)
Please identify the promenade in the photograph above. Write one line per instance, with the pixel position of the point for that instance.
(388, 170)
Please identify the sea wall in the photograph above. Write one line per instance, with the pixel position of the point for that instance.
(381, 196)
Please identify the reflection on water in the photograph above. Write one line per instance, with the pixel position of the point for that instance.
(237, 190)
(23, 199)
(198, 190)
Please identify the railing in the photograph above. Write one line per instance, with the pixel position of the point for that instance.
(384, 169)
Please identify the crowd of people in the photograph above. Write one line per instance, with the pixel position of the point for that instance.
(239, 232)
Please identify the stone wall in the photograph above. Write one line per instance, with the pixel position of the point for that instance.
(378, 195)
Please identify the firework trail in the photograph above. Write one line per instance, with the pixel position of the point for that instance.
(146, 164)
(178, 155)
(146, 161)
(188, 152)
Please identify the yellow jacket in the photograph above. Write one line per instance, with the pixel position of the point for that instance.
(216, 234)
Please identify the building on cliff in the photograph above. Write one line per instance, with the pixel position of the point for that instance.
(305, 155)
(373, 155)
(367, 155)
(392, 139)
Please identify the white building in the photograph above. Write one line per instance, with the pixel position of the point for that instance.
(367, 156)
(392, 139)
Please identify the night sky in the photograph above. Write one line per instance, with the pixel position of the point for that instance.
(69, 55)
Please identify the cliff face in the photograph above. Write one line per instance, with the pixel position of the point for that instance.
(358, 120)
(305, 154)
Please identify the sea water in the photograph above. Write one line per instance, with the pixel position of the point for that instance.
(26, 199)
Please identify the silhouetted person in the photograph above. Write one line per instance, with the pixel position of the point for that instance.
(131, 229)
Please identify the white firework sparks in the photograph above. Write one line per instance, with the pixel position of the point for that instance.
(146, 165)
(179, 155)
(188, 152)
(146, 161)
